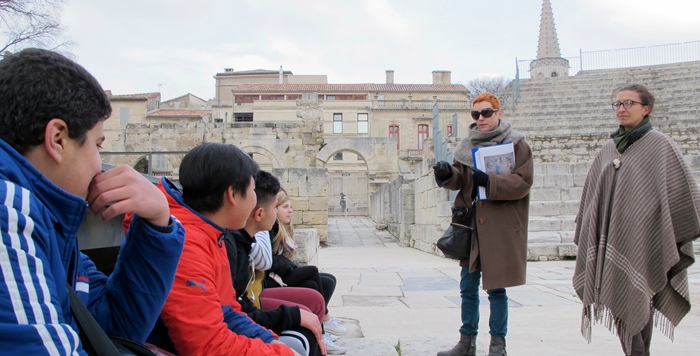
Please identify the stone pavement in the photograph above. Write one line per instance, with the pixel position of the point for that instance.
(401, 301)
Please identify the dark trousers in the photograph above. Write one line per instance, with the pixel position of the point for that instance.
(310, 277)
(641, 342)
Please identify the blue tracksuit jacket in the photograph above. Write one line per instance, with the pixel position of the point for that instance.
(39, 254)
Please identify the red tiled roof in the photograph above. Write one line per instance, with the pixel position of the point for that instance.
(141, 96)
(178, 113)
(348, 88)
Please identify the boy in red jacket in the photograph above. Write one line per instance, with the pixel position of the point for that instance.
(201, 314)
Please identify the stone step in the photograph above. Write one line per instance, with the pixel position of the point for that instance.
(422, 346)
(554, 208)
(556, 223)
(357, 345)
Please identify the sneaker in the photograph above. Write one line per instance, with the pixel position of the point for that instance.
(332, 348)
(332, 337)
(333, 326)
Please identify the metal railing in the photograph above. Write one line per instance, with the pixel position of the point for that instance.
(640, 56)
(418, 104)
(614, 58)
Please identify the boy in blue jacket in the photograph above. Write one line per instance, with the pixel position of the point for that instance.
(51, 128)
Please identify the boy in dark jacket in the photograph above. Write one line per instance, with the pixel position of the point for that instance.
(287, 321)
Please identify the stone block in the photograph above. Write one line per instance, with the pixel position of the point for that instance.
(544, 223)
(302, 204)
(567, 250)
(444, 209)
(579, 179)
(557, 168)
(571, 193)
(568, 222)
(307, 241)
(567, 236)
(314, 217)
(560, 180)
(541, 193)
(554, 208)
(538, 251)
(318, 203)
(543, 237)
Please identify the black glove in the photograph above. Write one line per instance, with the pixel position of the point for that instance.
(443, 170)
(481, 179)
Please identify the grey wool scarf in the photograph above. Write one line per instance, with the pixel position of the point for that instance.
(476, 138)
(638, 216)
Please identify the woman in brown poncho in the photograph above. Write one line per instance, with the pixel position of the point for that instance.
(639, 212)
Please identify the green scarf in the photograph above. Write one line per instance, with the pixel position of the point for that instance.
(624, 138)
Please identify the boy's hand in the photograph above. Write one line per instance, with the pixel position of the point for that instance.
(121, 190)
(310, 321)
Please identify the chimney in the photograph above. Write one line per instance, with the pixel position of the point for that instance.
(281, 75)
(442, 77)
(228, 70)
(390, 77)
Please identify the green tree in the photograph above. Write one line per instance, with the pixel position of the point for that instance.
(32, 23)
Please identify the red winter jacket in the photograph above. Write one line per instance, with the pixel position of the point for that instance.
(201, 313)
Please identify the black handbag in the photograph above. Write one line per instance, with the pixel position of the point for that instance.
(456, 242)
(95, 341)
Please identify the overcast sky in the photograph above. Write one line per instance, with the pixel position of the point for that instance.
(132, 46)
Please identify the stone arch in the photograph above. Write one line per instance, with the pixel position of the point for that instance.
(348, 150)
(379, 153)
(264, 152)
(140, 164)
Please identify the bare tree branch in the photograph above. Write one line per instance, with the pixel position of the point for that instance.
(25, 23)
(493, 85)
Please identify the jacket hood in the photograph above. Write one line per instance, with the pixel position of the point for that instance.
(187, 216)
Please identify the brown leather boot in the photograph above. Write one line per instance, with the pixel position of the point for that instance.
(497, 347)
(465, 347)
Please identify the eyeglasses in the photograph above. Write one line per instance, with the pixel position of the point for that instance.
(627, 104)
(486, 113)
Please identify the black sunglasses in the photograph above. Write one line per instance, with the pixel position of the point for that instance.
(486, 113)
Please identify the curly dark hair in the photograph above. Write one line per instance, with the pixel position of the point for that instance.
(38, 85)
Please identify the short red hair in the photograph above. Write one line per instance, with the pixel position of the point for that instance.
(495, 103)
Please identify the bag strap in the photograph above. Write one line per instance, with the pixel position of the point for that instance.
(95, 340)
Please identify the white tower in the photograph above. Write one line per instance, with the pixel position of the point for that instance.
(549, 62)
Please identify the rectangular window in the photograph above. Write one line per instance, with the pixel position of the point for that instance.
(394, 132)
(362, 123)
(218, 120)
(243, 117)
(337, 123)
(272, 97)
(338, 156)
(330, 97)
(422, 135)
(124, 116)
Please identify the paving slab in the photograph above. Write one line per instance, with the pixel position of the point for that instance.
(398, 297)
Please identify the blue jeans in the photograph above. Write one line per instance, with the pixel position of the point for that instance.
(498, 301)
